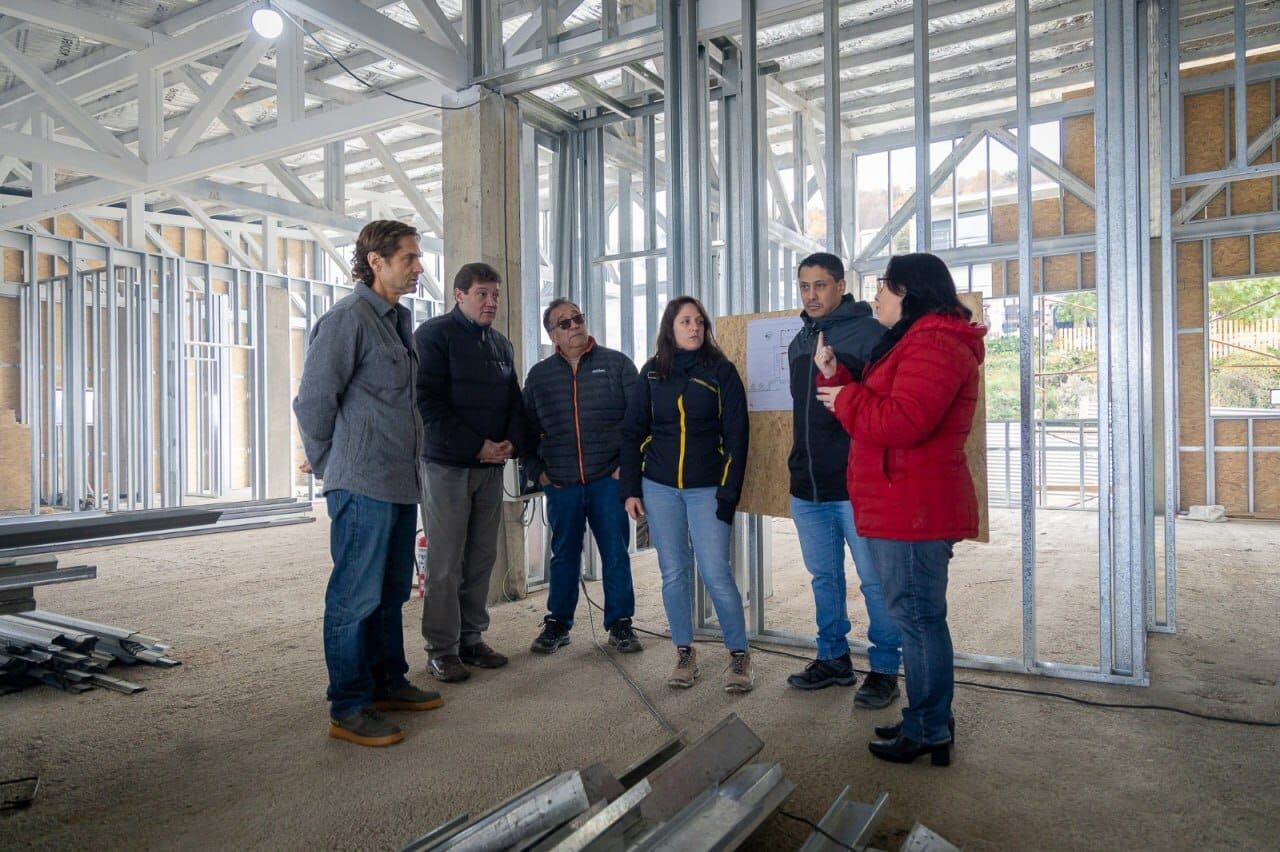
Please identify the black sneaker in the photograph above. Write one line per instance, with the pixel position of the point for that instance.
(553, 636)
(877, 691)
(623, 637)
(481, 656)
(823, 673)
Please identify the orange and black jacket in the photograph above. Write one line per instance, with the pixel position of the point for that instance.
(688, 430)
(572, 415)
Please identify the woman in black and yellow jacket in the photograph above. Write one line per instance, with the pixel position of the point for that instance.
(684, 450)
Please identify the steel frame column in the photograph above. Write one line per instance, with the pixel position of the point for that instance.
(682, 113)
(832, 125)
(1026, 318)
(924, 197)
(1168, 29)
(1121, 430)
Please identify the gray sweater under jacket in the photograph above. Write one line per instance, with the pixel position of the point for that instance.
(360, 428)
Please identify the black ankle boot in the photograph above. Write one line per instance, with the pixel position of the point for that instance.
(904, 750)
(889, 732)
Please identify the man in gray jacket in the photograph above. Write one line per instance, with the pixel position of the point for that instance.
(362, 435)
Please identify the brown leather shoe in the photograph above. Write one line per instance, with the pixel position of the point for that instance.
(447, 669)
(481, 656)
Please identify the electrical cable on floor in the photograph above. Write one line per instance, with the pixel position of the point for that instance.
(973, 684)
(653, 711)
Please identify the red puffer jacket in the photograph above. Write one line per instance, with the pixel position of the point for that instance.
(909, 420)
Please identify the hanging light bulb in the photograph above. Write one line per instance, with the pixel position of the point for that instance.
(267, 22)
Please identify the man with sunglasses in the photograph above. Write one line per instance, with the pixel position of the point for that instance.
(574, 403)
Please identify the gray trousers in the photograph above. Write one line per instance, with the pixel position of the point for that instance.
(462, 514)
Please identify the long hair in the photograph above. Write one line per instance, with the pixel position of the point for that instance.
(665, 357)
(925, 285)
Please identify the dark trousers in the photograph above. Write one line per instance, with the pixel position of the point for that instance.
(371, 542)
(462, 514)
(914, 576)
(569, 511)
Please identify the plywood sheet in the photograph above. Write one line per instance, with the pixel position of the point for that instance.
(193, 240)
(766, 487)
(1191, 388)
(1266, 253)
(1190, 276)
(1230, 480)
(1229, 433)
(1266, 433)
(1266, 485)
(15, 470)
(1230, 256)
(1191, 479)
(1062, 272)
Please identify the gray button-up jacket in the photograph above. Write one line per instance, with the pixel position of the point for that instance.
(355, 407)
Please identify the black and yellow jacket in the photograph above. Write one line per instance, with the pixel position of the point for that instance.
(688, 430)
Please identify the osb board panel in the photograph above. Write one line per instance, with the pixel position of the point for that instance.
(215, 252)
(172, 237)
(113, 227)
(1191, 484)
(1077, 147)
(1190, 284)
(15, 470)
(1229, 433)
(1266, 485)
(10, 330)
(277, 398)
(1230, 256)
(297, 357)
(65, 226)
(294, 253)
(1266, 253)
(766, 487)
(1266, 433)
(10, 387)
(14, 269)
(1046, 220)
(1062, 272)
(1191, 388)
(240, 420)
(1232, 487)
(193, 240)
(1202, 138)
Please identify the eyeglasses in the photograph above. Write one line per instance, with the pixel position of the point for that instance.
(882, 282)
(566, 323)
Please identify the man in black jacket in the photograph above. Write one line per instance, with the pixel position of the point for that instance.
(574, 403)
(819, 496)
(473, 418)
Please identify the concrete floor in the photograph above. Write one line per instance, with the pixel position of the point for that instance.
(228, 751)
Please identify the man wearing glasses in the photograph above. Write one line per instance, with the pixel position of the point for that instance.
(574, 403)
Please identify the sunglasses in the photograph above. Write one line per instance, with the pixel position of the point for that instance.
(566, 323)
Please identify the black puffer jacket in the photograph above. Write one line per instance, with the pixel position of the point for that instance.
(689, 430)
(820, 445)
(467, 389)
(572, 415)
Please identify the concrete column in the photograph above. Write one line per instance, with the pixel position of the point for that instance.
(482, 223)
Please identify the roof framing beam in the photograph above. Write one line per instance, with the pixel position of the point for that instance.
(268, 205)
(81, 22)
(397, 42)
(435, 24)
(58, 100)
(402, 181)
(216, 96)
(319, 127)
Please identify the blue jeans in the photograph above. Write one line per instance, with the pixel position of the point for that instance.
(824, 528)
(371, 542)
(914, 574)
(569, 510)
(677, 515)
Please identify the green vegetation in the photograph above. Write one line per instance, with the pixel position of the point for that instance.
(1057, 396)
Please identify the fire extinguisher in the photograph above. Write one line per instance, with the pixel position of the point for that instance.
(420, 564)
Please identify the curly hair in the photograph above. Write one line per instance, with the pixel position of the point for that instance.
(382, 236)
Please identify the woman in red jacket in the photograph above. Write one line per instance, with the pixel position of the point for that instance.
(909, 413)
